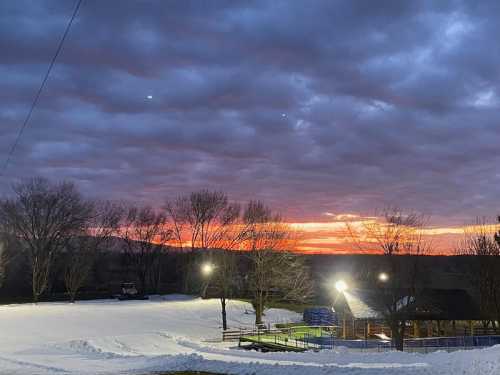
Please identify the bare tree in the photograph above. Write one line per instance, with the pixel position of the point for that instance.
(224, 279)
(83, 249)
(397, 233)
(204, 219)
(497, 232)
(275, 271)
(44, 216)
(145, 233)
(177, 211)
(200, 216)
(209, 220)
(481, 241)
(226, 238)
(6, 240)
(154, 277)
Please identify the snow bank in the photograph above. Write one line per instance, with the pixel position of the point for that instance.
(180, 332)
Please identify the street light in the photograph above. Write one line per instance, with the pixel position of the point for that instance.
(383, 277)
(341, 286)
(207, 269)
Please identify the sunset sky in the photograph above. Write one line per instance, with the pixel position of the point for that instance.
(320, 108)
(337, 237)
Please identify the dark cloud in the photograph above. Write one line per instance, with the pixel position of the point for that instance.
(338, 106)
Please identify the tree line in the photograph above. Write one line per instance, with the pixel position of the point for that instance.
(50, 222)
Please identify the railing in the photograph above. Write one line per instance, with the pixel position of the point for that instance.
(293, 338)
(424, 345)
(286, 338)
(478, 331)
(236, 334)
(233, 335)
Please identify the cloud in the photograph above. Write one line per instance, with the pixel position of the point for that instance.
(386, 103)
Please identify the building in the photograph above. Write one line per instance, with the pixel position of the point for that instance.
(432, 312)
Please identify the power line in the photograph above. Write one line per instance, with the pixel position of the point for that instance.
(40, 89)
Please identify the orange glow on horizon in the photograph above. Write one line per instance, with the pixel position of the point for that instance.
(333, 237)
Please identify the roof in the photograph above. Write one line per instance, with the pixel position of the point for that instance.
(361, 306)
(446, 304)
(429, 304)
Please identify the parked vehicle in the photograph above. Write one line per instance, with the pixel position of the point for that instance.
(129, 292)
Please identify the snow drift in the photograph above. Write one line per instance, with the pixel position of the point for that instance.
(180, 332)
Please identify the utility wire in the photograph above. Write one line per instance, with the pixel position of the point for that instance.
(40, 89)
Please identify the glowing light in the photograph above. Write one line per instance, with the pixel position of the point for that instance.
(382, 276)
(207, 269)
(341, 286)
(149, 96)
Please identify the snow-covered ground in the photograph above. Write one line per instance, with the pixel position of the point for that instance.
(181, 332)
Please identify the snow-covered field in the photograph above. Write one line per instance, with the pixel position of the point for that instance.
(180, 332)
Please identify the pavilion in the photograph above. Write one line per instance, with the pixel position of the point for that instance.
(433, 312)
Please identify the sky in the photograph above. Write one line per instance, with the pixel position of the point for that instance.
(319, 108)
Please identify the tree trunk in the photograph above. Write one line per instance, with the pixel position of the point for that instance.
(224, 314)
(142, 282)
(397, 333)
(258, 316)
(33, 288)
(187, 287)
(34, 285)
(401, 342)
(157, 277)
(204, 289)
(394, 334)
(259, 308)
